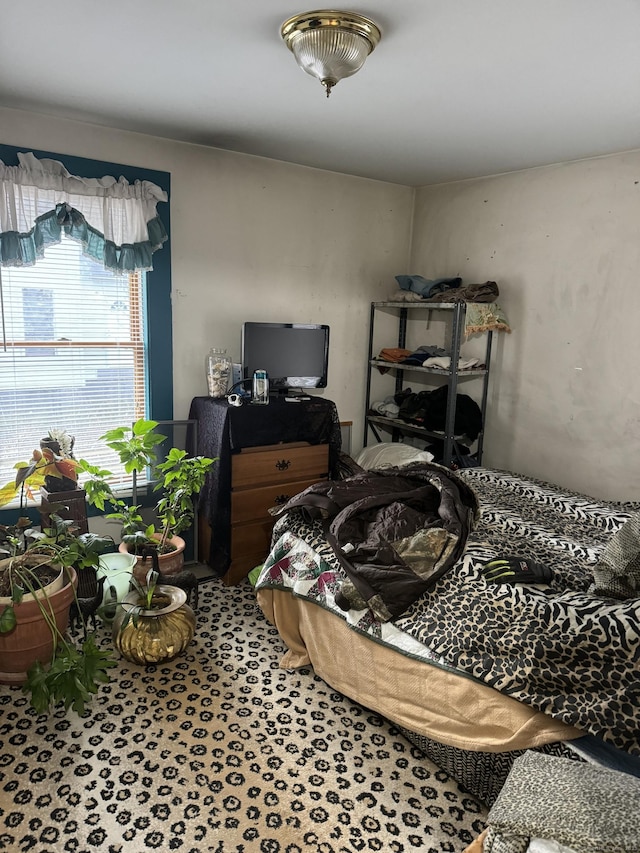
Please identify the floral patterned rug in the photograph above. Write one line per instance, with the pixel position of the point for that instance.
(221, 751)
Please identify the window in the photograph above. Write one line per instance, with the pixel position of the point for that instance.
(76, 359)
(81, 348)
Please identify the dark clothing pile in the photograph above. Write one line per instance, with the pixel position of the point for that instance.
(395, 531)
(428, 409)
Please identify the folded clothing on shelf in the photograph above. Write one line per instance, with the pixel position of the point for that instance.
(418, 356)
(427, 288)
(393, 354)
(444, 362)
(486, 291)
(387, 407)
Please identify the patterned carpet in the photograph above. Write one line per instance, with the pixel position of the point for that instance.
(221, 751)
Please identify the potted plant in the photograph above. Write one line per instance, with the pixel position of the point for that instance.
(82, 550)
(153, 623)
(136, 448)
(64, 476)
(35, 649)
(183, 476)
(47, 467)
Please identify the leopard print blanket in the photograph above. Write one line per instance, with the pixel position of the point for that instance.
(602, 818)
(563, 650)
(559, 648)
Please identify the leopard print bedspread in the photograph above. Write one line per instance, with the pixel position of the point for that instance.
(564, 651)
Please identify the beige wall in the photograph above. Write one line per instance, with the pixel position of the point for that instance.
(259, 239)
(563, 243)
(256, 239)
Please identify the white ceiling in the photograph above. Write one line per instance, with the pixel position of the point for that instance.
(455, 89)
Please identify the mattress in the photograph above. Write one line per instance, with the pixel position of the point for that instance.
(458, 683)
(418, 693)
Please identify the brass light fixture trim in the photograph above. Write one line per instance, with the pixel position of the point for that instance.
(330, 45)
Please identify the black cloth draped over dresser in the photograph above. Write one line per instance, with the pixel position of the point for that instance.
(225, 429)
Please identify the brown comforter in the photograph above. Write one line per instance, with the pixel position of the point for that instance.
(395, 531)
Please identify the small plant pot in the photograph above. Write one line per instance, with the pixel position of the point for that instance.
(31, 639)
(117, 570)
(156, 635)
(169, 564)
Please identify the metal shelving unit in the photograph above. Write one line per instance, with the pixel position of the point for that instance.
(375, 423)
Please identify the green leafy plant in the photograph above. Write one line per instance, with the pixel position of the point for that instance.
(80, 550)
(34, 559)
(101, 495)
(71, 679)
(183, 477)
(148, 598)
(146, 592)
(136, 446)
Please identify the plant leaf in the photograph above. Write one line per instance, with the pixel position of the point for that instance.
(37, 685)
(142, 427)
(7, 493)
(7, 619)
(71, 679)
(17, 593)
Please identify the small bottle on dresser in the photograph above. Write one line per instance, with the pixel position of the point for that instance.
(260, 390)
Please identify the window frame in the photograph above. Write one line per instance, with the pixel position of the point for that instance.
(158, 329)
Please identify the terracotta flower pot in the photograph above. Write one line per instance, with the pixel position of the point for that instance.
(170, 563)
(31, 639)
(33, 562)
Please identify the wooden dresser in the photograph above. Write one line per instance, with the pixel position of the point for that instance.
(264, 477)
(265, 455)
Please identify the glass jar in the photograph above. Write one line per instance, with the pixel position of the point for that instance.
(218, 368)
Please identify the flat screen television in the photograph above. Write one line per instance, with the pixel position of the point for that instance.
(295, 355)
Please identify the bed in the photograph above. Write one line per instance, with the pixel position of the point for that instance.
(474, 673)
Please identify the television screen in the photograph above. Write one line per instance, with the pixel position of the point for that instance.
(294, 355)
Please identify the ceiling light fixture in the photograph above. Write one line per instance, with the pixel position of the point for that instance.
(330, 45)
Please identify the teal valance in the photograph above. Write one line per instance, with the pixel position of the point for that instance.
(116, 222)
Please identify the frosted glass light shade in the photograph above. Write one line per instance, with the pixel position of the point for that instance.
(330, 45)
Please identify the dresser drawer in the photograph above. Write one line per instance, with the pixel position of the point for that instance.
(254, 504)
(254, 538)
(279, 463)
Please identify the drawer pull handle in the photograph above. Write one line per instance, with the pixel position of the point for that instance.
(283, 464)
(281, 499)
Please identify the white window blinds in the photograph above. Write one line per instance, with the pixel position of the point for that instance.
(72, 355)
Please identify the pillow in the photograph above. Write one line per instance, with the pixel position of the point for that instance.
(391, 454)
(617, 572)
